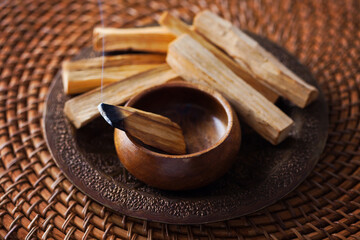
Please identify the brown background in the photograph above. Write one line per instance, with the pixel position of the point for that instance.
(36, 201)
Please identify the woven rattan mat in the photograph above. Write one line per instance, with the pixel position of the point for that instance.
(37, 201)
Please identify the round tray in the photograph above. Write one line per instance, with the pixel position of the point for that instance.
(262, 174)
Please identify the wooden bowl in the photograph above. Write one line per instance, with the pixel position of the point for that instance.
(211, 130)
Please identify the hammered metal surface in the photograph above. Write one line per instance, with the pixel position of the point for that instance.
(262, 174)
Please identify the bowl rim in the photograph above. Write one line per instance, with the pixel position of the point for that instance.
(212, 93)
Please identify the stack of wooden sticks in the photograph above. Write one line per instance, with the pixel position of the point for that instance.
(212, 52)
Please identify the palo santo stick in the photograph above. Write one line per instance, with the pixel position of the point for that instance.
(84, 80)
(114, 61)
(149, 39)
(195, 63)
(83, 108)
(152, 129)
(177, 27)
(254, 58)
(85, 74)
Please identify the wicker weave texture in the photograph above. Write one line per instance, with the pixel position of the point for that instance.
(37, 201)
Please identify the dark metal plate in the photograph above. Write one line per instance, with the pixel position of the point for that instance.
(262, 174)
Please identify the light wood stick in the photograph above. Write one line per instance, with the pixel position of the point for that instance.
(195, 63)
(255, 59)
(150, 128)
(85, 74)
(80, 81)
(114, 61)
(83, 108)
(177, 27)
(149, 39)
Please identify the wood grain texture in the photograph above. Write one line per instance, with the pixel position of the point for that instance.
(83, 108)
(84, 80)
(151, 129)
(85, 74)
(197, 64)
(254, 59)
(177, 27)
(149, 39)
(114, 61)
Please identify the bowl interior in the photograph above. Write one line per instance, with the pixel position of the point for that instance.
(201, 116)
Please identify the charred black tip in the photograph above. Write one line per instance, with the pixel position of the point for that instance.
(112, 115)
